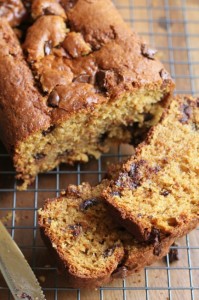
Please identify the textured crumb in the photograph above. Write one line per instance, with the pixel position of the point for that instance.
(90, 245)
(157, 190)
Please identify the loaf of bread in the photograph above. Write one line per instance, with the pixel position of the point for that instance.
(91, 248)
(82, 79)
(157, 190)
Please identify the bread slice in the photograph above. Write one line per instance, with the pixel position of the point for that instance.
(157, 191)
(91, 247)
(84, 79)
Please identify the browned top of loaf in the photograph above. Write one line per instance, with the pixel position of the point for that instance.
(100, 55)
(157, 190)
(13, 11)
(22, 109)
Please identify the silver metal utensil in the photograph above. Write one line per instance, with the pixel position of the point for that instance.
(20, 278)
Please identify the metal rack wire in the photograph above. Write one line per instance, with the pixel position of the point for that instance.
(172, 26)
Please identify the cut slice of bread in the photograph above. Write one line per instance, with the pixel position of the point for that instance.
(157, 189)
(91, 247)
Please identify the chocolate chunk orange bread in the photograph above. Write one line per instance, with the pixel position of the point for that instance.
(82, 78)
(92, 249)
(157, 190)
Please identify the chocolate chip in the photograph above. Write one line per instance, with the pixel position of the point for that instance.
(187, 112)
(164, 193)
(47, 47)
(148, 52)
(173, 253)
(164, 74)
(103, 137)
(101, 79)
(39, 156)
(53, 99)
(108, 252)
(88, 203)
(75, 229)
(47, 11)
(117, 194)
(157, 249)
(25, 296)
(83, 78)
(154, 235)
(49, 130)
(148, 117)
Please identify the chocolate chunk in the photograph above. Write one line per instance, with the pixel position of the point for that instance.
(164, 74)
(135, 173)
(108, 252)
(83, 78)
(187, 112)
(157, 249)
(47, 47)
(68, 4)
(26, 296)
(88, 203)
(75, 229)
(47, 11)
(117, 194)
(103, 137)
(49, 130)
(101, 79)
(148, 117)
(173, 253)
(53, 99)
(154, 235)
(39, 156)
(164, 193)
(148, 52)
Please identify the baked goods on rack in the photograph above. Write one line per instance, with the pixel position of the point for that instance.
(91, 248)
(82, 78)
(156, 191)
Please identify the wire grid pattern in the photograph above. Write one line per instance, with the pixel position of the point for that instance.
(172, 26)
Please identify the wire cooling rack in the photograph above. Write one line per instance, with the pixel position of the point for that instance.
(172, 26)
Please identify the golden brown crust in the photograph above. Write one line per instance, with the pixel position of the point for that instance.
(26, 111)
(13, 11)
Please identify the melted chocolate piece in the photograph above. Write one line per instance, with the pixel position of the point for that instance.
(39, 156)
(53, 99)
(148, 52)
(49, 130)
(173, 254)
(118, 194)
(164, 193)
(26, 296)
(108, 252)
(101, 79)
(103, 137)
(88, 203)
(187, 112)
(75, 229)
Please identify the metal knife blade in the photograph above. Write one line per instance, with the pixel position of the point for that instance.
(16, 271)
